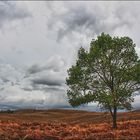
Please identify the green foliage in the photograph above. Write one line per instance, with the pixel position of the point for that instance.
(109, 73)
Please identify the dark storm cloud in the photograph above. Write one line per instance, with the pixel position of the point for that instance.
(49, 82)
(78, 20)
(9, 11)
(88, 20)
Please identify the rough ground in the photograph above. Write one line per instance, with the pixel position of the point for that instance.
(67, 125)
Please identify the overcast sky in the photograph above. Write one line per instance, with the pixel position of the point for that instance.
(39, 42)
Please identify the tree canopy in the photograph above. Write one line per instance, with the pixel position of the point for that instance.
(107, 73)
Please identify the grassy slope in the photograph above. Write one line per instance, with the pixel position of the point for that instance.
(68, 116)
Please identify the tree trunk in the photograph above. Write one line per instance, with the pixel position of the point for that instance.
(114, 118)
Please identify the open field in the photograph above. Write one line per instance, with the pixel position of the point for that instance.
(67, 125)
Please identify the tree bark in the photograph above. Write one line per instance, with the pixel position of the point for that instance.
(114, 117)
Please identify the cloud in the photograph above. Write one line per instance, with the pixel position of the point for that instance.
(54, 63)
(13, 95)
(9, 12)
(34, 59)
(34, 69)
(88, 18)
(47, 81)
(41, 88)
(9, 75)
(50, 73)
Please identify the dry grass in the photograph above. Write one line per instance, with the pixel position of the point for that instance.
(68, 125)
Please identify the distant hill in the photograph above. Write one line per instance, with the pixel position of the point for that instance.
(4, 107)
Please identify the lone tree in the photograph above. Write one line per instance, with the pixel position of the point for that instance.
(109, 73)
